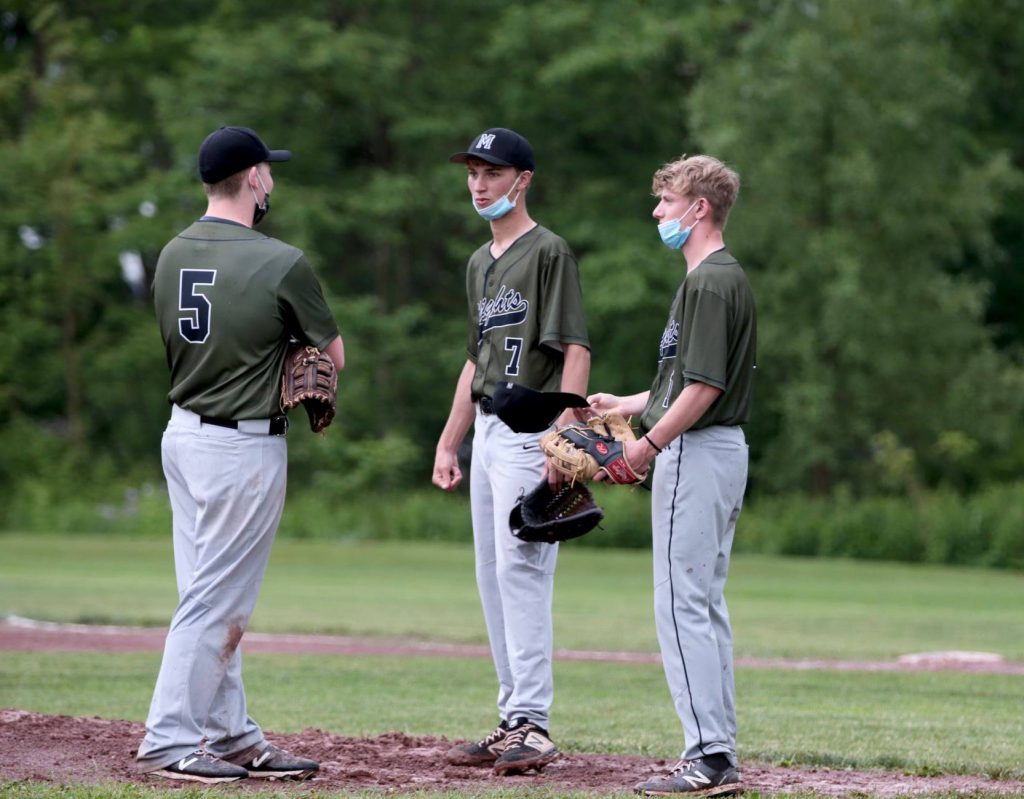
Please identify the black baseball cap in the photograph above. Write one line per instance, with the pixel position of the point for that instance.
(528, 411)
(231, 149)
(499, 146)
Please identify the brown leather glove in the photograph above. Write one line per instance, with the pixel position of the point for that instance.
(310, 377)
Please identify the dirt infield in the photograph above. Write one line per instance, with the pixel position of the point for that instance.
(66, 750)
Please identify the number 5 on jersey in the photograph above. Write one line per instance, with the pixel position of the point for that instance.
(195, 325)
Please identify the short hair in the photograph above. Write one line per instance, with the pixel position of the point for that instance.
(700, 176)
(228, 187)
(486, 164)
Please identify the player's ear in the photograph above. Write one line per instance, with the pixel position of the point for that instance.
(525, 177)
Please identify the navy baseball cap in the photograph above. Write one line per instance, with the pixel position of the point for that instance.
(499, 146)
(231, 149)
(528, 411)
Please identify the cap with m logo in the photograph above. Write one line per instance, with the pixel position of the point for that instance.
(499, 146)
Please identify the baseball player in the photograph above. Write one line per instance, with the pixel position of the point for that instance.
(692, 417)
(526, 326)
(227, 300)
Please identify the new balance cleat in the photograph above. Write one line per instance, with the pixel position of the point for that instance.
(693, 778)
(481, 753)
(527, 747)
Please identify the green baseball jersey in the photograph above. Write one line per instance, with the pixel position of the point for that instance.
(710, 337)
(522, 307)
(227, 300)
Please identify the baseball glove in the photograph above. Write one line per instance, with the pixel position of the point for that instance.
(580, 451)
(552, 516)
(310, 377)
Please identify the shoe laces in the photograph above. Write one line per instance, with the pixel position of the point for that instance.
(518, 735)
(499, 733)
(681, 766)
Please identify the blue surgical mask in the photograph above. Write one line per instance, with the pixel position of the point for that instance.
(671, 234)
(500, 207)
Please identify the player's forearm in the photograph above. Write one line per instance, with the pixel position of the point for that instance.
(336, 352)
(461, 415)
(576, 369)
(689, 406)
(634, 404)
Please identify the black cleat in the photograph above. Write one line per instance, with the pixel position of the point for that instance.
(273, 763)
(527, 747)
(693, 778)
(481, 753)
(201, 766)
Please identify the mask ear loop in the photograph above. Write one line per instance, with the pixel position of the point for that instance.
(260, 180)
(516, 181)
(683, 215)
(266, 194)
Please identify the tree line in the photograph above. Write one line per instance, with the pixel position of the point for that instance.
(879, 144)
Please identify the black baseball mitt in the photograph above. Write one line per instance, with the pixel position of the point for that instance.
(310, 377)
(552, 516)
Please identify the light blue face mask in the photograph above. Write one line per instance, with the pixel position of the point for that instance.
(671, 234)
(500, 207)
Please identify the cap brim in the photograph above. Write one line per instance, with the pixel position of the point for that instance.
(526, 410)
(461, 158)
(280, 155)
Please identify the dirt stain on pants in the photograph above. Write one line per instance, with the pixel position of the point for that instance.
(236, 629)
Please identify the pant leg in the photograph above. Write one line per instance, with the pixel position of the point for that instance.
(515, 578)
(482, 509)
(526, 576)
(236, 485)
(697, 492)
(229, 727)
(723, 628)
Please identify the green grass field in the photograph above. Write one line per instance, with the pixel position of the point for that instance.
(780, 607)
(922, 723)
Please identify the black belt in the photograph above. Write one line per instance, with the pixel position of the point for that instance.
(486, 405)
(278, 424)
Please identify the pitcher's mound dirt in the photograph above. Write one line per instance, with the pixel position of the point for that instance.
(67, 750)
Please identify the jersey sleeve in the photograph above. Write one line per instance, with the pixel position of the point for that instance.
(561, 313)
(473, 318)
(706, 356)
(304, 307)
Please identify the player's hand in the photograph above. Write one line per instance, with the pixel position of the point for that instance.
(554, 477)
(571, 416)
(605, 403)
(638, 454)
(447, 474)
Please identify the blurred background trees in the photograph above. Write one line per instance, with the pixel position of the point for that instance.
(880, 146)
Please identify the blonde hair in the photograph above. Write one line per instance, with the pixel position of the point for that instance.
(228, 187)
(700, 176)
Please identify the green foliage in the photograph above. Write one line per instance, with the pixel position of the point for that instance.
(984, 529)
(853, 209)
(350, 500)
(879, 220)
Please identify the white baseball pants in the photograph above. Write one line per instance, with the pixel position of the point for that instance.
(227, 491)
(696, 498)
(515, 578)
